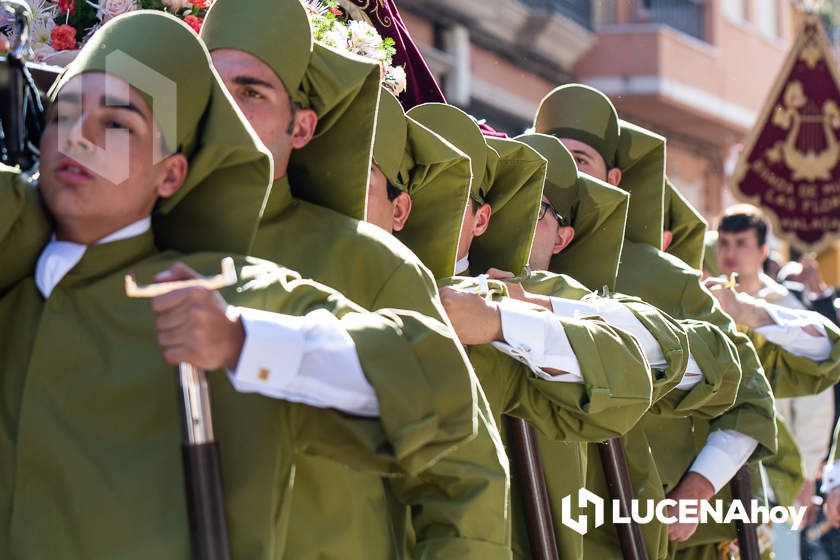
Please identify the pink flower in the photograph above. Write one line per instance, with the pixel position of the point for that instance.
(177, 5)
(109, 9)
(195, 22)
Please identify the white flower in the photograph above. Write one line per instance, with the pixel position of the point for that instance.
(336, 37)
(365, 41)
(109, 9)
(40, 35)
(397, 79)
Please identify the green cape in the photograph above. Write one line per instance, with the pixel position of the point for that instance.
(641, 158)
(343, 90)
(687, 226)
(229, 170)
(437, 176)
(597, 211)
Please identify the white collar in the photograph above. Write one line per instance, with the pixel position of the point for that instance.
(60, 257)
(462, 265)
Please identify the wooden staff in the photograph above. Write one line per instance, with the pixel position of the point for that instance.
(617, 473)
(531, 479)
(747, 532)
(202, 464)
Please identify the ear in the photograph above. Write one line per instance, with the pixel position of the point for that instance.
(765, 251)
(482, 219)
(614, 176)
(667, 238)
(174, 171)
(565, 235)
(306, 121)
(402, 209)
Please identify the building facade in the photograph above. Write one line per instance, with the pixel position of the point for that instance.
(696, 71)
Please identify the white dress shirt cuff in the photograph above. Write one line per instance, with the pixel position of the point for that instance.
(788, 333)
(830, 478)
(725, 452)
(309, 359)
(538, 340)
(617, 315)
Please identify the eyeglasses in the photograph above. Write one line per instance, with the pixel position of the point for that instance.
(545, 207)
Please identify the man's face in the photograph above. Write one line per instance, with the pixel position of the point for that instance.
(78, 172)
(587, 159)
(263, 99)
(380, 210)
(545, 238)
(740, 252)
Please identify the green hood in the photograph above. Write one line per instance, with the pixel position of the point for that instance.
(343, 90)
(434, 173)
(514, 196)
(597, 212)
(641, 158)
(687, 226)
(587, 115)
(710, 253)
(582, 113)
(461, 130)
(229, 170)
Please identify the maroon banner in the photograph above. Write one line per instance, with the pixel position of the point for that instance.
(791, 163)
(421, 84)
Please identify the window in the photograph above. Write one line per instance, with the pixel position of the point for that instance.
(736, 9)
(767, 17)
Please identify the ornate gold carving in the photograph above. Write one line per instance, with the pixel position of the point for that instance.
(382, 17)
(805, 164)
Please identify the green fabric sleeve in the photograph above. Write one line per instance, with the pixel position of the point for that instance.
(459, 506)
(715, 354)
(616, 391)
(672, 339)
(24, 227)
(794, 376)
(785, 470)
(419, 421)
(753, 412)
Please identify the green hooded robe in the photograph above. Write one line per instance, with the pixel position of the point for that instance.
(506, 245)
(311, 223)
(90, 458)
(677, 289)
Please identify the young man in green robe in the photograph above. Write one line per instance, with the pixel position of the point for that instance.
(314, 109)
(575, 235)
(90, 458)
(507, 244)
(627, 156)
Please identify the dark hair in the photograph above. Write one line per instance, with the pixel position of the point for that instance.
(744, 218)
(475, 205)
(393, 192)
(295, 107)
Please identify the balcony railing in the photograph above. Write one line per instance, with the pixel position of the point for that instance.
(579, 11)
(688, 16)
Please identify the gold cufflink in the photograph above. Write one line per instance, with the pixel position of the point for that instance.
(263, 374)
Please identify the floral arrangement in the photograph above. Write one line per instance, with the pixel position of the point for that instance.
(64, 25)
(333, 26)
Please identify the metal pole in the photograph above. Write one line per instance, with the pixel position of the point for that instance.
(202, 469)
(531, 478)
